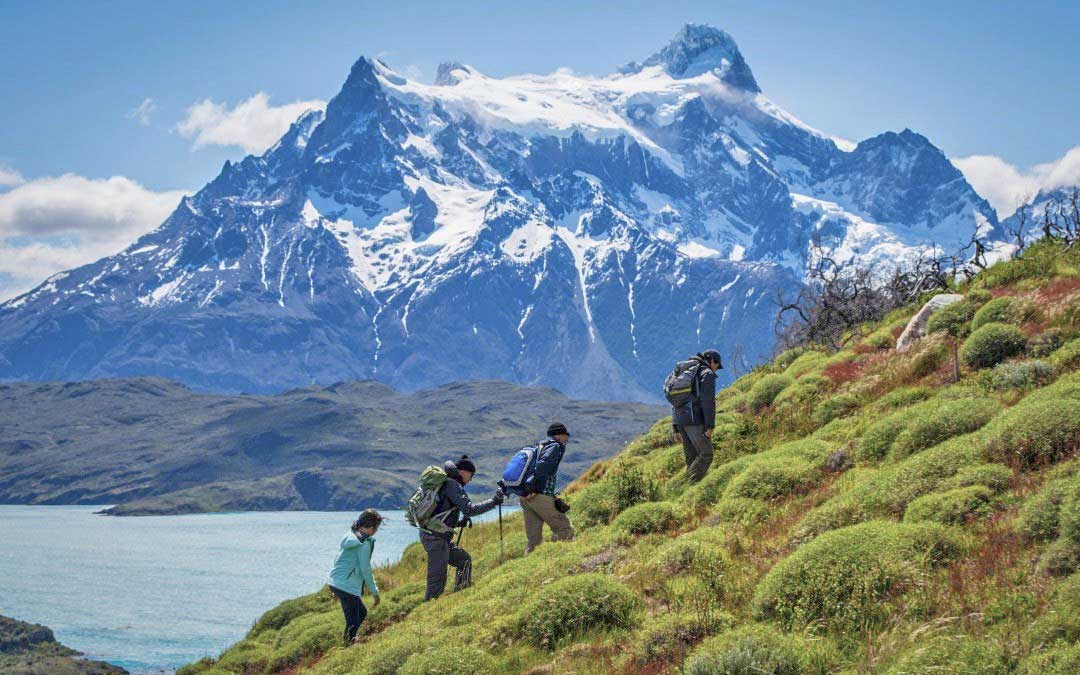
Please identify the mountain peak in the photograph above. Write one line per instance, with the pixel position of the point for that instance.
(698, 49)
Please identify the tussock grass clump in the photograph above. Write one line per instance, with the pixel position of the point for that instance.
(997, 477)
(303, 638)
(771, 477)
(758, 648)
(902, 397)
(449, 660)
(932, 422)
(1027, 374)
(673, 635)
(804, 390)
(742, 511)
(991, 344)
(952, 655)
(648, 518)
(685, 555)
(1061, 622)
(1068, 356)
(623, 487)
(1034, 432)
(1058, 660)
(1004, 310)
(280, 616)
(383, 655)
(844, 581)
(952, 507)
(1061, 557)
(954, 319)
(575, 605)
(766, 390)
(1046, 343)
(835, 407)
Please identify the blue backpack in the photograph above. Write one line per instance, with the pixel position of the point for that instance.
(520, 468)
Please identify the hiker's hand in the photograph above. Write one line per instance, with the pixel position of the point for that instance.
(708, 433)
(528, 497)
(499, 496)
(376, 601)
(677, 437)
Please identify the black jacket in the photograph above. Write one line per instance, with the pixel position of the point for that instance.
(701, 410)
(545, 472)
(452, 498)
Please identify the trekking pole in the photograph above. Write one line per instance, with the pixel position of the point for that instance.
(501, 487)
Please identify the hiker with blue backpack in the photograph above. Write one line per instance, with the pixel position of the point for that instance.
(691, 391)
(438, 506)
(351, 573)
(532, 474)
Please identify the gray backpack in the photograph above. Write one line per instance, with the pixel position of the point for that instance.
(680, 386)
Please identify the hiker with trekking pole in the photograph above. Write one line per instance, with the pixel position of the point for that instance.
(691, 391)
(438, 506)
(532, 474)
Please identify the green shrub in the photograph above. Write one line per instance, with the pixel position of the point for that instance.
(687, 555)
(951, 654)
(305, 637)
(878, 439)
(786, 358)
(1046, 343)
(1034, 432)
(806, 362)
(845, 579)
(449, 659)
(766, 389)
(671, 636)
(574, 605)
(1019, 375)
(1004, 310)
(997, 477)
(648, 518)
(709, 489)
(278, 617)
(768, 477)
(1071, 316)
(1058, 660)
(953, 319)
(953, 507)
(755, 649)
(1060, 558)
(933, 422)
(742, 511)
(1040, 516)
(806, 389)
(596, 504)
(834, 407)
(1061, 621)
(978, 296)
(903, 397)
(880, 339)
(1068, 356)
(991, 344)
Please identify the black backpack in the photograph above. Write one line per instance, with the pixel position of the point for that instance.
(680, 387)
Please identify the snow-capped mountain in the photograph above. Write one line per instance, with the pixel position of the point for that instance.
(573, 231)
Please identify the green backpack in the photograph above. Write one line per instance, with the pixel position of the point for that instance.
(420, 511)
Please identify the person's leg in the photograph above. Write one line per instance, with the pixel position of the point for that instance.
(689, 451)
(349, 604)
(703, 452)
(561, 527)
(361, 614)
(438, 555)
(534, 525)
(462, 561)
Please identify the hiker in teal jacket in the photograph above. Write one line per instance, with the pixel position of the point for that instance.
(352, 571)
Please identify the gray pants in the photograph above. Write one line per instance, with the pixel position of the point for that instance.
(697, 448)
(442, 551)
(540, 509)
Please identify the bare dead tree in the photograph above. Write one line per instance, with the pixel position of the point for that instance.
(1018, 231)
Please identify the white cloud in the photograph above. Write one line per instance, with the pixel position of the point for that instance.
(141, 113)
(10, 177)
(1006, 186)
(52, 224)
(254, 124)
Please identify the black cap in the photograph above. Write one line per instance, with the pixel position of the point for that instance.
(465, 464)
(712, 355)
(557, 428)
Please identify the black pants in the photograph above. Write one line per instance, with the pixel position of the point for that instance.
(442, 551)
(355, 612)
(697, 448)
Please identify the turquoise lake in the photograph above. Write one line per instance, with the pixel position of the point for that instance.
(153, 593)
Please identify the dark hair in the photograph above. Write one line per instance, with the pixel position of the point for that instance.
(368, 518)
(465, 464)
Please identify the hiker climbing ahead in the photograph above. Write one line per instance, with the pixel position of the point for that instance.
(533, 473)
(439, 505)
(691, 390)
(351, 573)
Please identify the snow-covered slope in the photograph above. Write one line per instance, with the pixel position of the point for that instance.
(580, 232)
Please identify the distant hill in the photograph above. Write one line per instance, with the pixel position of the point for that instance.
(152, 445)
(31, 649)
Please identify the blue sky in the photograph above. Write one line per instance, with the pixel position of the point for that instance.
(102, 90)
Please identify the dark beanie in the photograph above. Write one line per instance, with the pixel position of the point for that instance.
(465, 464)
(712, 355)
(557, 428)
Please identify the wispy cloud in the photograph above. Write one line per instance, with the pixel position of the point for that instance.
(1006, 186)
(253, 124)
(141, 113)
(51, 224)
(10, 177)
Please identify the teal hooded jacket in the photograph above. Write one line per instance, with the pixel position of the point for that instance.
(352, 567)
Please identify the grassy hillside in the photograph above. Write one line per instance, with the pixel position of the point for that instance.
(863, 514)
(31, 649)
(154, 446)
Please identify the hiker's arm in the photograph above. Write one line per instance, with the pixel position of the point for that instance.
(546, 466)
(461, 501)
(365, 569)
(708, 399)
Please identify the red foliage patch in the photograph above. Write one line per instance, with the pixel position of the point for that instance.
(867, 349)
(1032, 328)
(898, 331)
(1059, 289)
(844, 371)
